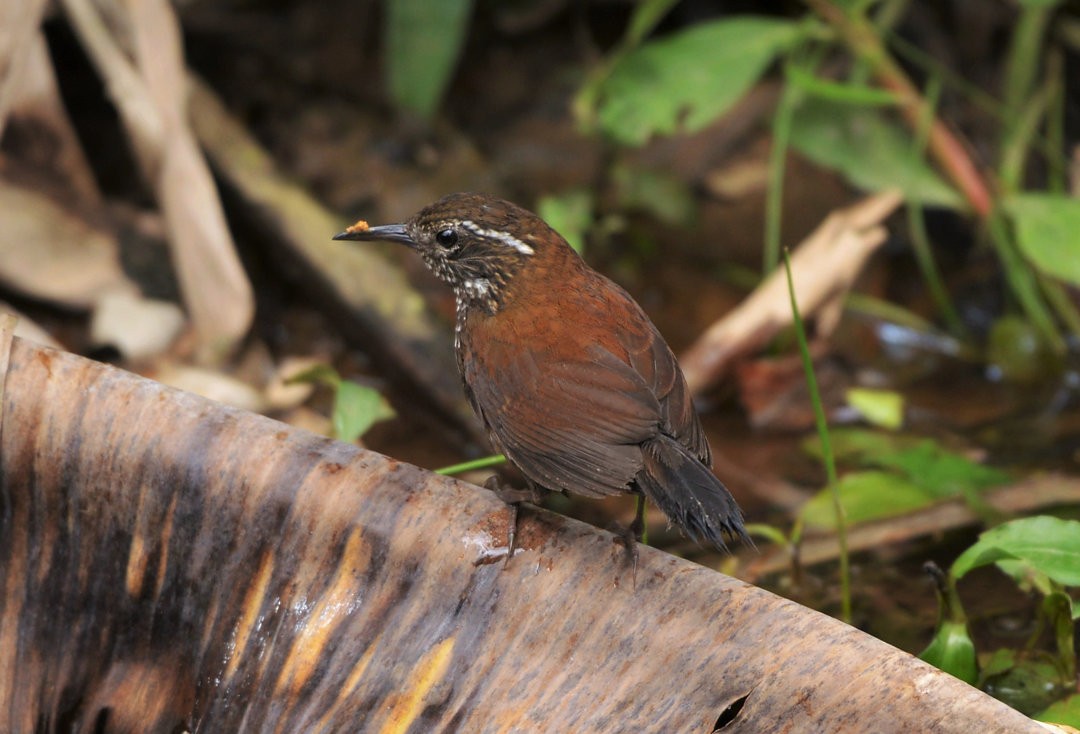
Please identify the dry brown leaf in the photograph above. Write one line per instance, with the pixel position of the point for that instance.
(48, 251)
(32, 99)
(216, 289)
(139, 328)
(823, 267)
(212, 384)
(19, 24)
(171, 564)
(151, 96)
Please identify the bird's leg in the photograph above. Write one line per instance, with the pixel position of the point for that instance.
(634, 534)
(513, 498)
(637, 527)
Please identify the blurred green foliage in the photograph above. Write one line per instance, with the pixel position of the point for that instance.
(356, 407)
(423, 43)
(1042, 555)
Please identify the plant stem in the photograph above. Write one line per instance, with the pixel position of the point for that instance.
(826, 447)
(1023, 61)
(1022, 282)
(482, 463)
(920, 244)
(774, 197)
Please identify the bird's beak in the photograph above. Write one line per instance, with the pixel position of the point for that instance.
(361, 232)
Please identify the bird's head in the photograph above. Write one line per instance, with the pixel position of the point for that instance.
(475, 242)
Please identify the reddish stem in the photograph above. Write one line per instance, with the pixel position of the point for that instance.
(945, 147)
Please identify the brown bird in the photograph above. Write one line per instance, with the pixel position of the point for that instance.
(571, 379)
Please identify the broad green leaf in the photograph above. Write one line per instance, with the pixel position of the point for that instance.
(423, 42)
(868, 495)
(1066, 711)
(356, 409)
(883, 408)
(684, 81)
(570, 214)
(1049, 544)
(870, 149)
(1048, 232)
(941, 472)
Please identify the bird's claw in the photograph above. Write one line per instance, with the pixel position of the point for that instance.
(513, 498)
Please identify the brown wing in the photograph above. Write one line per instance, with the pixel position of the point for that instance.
(653, 360)
(573, 426)
(578, 423)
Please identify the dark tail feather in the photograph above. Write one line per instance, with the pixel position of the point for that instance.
(690, 494)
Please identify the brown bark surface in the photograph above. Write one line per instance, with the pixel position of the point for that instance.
(168, 563)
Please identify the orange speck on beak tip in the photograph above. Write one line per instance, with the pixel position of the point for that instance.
(359, 225)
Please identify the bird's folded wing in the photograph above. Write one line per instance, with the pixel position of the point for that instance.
(574, 426)
(657, 367)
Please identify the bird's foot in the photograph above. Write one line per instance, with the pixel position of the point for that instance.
(513, 497)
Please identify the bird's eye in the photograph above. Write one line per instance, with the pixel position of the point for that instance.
(446, 238)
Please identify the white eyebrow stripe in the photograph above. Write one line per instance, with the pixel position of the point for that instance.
(507, 239)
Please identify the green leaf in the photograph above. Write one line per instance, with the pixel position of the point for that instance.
(1049, 544)
(868, 495)
(356, 409)
(423, 42)
(953, 651)
(1027, 578)
(941, 472)
(870, 149)
(688, 79)
(570, 214)
(883, 408)
(1066, 711)
(1048, 232)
